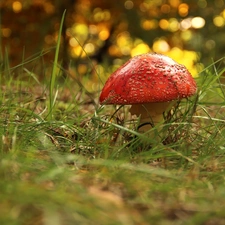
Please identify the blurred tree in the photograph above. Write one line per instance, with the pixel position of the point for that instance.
(106, 30)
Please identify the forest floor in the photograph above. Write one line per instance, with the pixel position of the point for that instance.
(67, 160)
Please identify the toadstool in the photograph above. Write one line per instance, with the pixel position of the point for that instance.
(151, 83)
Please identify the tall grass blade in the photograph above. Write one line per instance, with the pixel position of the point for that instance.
(54, 70)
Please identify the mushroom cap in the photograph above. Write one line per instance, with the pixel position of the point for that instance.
(148, 78)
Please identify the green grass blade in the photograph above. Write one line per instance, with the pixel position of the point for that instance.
(54, 70)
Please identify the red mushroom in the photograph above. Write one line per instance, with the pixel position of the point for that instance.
(151, 83)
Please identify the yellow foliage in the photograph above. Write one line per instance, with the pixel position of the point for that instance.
(186, 58)
(140, 49)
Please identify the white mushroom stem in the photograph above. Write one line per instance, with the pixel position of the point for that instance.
(151, 113)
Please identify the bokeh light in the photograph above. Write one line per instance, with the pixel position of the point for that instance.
(17, 6)
(89, 48)
(185, 24)
(173, 25)
(219, 21)
(197, 22)
(6, 32)
(186, 58)
(140, 48)
(183, 9)
(186, 35)
(124, 42)
(149, 24)
(104, 34)
(128, 4)
(161, 46)
(174, 3)
(164, 24)
(165, 8)
(202, 3)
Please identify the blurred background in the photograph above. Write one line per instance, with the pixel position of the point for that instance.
(103, 34)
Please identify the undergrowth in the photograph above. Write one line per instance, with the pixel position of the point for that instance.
(67, 160)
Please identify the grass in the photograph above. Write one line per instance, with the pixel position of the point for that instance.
(86, 164)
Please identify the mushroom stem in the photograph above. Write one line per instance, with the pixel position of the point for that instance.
(151, 113)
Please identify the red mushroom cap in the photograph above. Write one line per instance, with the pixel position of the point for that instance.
(148, 78)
